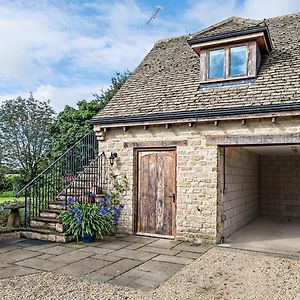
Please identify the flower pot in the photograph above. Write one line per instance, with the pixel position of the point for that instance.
(87, 238)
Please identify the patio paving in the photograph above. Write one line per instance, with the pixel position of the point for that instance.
(126, 260)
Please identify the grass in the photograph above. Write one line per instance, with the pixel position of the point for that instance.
(8, 196)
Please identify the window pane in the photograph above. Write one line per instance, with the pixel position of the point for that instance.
(216, 63)
(238, 61)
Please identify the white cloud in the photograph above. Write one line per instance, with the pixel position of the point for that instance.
(210, 12)
(59, 97)
(55, 44)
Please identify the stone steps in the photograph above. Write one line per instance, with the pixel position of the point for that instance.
(50, 213)
(46, 223)
(46, 226)
(45, 235)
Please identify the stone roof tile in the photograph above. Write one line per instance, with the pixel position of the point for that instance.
(167, 80)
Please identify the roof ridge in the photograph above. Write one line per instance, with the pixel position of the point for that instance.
(221, 23)
(284, 16)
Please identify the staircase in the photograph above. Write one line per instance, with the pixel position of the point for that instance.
(78, 173)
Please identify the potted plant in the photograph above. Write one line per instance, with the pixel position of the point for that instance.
(86, 220)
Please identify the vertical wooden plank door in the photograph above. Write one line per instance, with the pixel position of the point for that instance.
(156, 193)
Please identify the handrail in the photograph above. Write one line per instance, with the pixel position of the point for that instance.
(98, 159)
(58, 176)
(51, 165)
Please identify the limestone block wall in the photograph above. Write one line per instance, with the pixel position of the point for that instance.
(280, 185)
(196, 168)
(199, 204)
(241, 194)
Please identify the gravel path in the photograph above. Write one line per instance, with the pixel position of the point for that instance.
(218, 274)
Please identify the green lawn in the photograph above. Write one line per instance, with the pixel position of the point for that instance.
(8, 196)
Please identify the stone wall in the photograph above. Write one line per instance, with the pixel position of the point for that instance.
(280, 185)
(199, 204)
(241, 194)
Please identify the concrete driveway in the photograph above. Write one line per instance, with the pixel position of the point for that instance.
(132, 261)
(279, 235)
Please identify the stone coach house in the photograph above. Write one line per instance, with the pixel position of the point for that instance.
(207, 131)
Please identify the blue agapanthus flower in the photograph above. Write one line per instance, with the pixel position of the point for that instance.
(62, 206)
(70, 200)
(106, 196)
(78, 216)
(78, 223)
(102, 201)
(115, 219)
(117, 211)
(93, 195)
(122, 206)
(103, 211)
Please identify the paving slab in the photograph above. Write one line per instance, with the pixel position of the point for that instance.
(16, 271)
(140, 279)
(107, 257)
(46, 256)
(190, 247)
(17, 255)
(157, 276)
(3, 265)
(115, 245)
(56, 250)
(119, 267)
(135, 246)
(174, 259)
(97, 276)
(187, 254)
(134, 254)
(96, 250)
(123, 280)
(75, 245)
(157, 250)
(71, 257)
(30, 243)
(6, 248)
(165, 243)
(40, 264)
(82, 267)
(139, 239)
(144, 284)
(160, 266)
(40, 248)
(121, 235)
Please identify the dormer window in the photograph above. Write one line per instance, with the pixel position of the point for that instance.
(238, 61)
(227, 62)
(231, 56)
(216, 64)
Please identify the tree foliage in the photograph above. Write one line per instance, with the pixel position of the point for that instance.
(73, 123)
(24, 134)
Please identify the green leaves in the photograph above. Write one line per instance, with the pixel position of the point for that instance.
(24, 134)
(73, 123)
(84, 217)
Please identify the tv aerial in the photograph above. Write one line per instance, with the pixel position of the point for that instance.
(153, 19)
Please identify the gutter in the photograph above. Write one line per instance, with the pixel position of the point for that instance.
(204, 113)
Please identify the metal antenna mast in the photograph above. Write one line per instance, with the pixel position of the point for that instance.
(153, 17)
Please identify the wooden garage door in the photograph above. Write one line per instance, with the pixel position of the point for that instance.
(156, 192)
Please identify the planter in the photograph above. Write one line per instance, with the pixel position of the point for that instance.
(87, 238)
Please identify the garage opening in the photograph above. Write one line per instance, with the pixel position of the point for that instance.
(260, 197)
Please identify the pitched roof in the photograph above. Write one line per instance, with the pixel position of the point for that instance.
(167, 80)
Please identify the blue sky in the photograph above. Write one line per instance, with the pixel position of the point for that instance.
(66, 50)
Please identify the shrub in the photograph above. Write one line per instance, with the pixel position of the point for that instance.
(95, 219)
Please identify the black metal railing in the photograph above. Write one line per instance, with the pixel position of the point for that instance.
(75, 164)
(89, 183)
